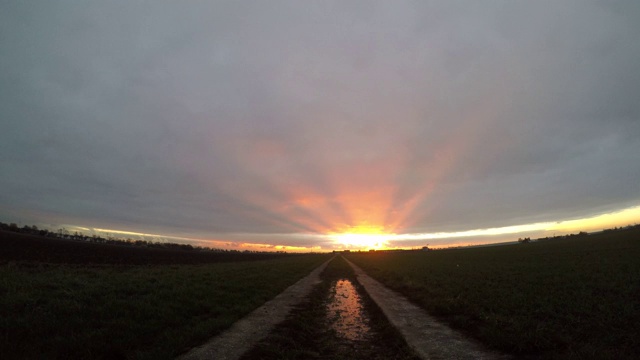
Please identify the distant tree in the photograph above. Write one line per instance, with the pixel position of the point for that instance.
(524, 240)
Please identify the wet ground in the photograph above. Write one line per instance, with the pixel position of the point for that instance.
(337, 321)
(430, 338)
(346, 313)
(235, 341)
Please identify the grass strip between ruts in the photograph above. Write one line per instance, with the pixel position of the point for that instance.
(307, 334)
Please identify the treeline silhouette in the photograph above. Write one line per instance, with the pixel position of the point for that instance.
(63, 233)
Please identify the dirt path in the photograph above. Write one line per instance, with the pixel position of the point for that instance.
(245, 333)
(337, 321)
(428, 337)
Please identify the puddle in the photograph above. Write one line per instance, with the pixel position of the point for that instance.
(345, 312)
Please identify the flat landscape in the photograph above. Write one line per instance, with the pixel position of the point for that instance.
(64, 299)
(320, 180)
(570, 298)
(564, 298)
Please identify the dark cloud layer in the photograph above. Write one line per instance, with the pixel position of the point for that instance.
(215, 118)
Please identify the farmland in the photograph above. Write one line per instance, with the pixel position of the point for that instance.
(74, 300)
(570, 298)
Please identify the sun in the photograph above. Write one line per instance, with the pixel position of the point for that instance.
(362, 237)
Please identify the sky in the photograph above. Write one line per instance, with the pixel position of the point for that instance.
(320, 125)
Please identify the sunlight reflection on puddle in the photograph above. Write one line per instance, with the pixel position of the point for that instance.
(346, 313)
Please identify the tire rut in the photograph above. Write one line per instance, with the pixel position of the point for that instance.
(300, 324)
(246, 332)
(430, 338)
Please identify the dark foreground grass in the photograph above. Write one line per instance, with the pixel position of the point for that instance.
(306, 333)
(136, 312)
(557, 299)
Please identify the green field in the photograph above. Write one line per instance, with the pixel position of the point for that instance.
(105, 311)
(572, 298)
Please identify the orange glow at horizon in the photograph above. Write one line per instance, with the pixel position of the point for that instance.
(386, 192)
(382, 192)
(372, 237)
(362, 236)
(362, 188)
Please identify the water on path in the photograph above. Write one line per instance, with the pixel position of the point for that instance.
(346, 313)
(337, 321)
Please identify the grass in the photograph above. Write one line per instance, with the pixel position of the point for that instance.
(575, 298)
(136, 312)
(307, 334)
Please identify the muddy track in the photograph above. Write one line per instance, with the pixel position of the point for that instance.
(339, 312)
(430, 338)
(337, 321)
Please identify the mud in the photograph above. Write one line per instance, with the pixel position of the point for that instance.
(428, 337)
(331, 316)
(345, 312)
(337, 321)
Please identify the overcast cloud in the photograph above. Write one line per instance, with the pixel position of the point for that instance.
(222, 119)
